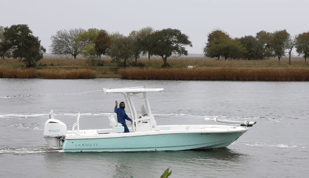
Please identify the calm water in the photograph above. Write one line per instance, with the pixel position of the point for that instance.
(278, 146)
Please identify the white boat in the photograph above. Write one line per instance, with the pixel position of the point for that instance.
(144, 135)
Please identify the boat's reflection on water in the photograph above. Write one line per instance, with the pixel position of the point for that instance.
(139, 163)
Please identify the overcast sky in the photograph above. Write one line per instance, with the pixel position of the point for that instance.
(195, 18)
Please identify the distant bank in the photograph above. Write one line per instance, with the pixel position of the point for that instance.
(213, 74)
(208, 74)
(142, 56)
(201, 69)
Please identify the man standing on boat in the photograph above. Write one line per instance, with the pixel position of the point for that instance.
(121, 115)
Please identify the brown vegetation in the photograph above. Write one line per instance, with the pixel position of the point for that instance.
(217, 74)
(67, 73)
(17, 73)
(202, 62)
(206, 69)
(181, 62)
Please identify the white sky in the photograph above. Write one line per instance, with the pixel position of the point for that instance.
(195, 18)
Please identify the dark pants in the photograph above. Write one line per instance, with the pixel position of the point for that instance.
(125, 127)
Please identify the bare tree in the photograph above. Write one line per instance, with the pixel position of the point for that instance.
(63, 42)
(290, 44)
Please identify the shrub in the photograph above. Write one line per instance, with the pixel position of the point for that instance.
(100, 63)
(137, 64)
(93, 61)
(166, 65)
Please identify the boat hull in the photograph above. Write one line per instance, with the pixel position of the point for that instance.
(160, 142)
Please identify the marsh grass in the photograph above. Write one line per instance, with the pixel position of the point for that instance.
(217, 74)
(67, 73)
(71, 62)
(200, 62)
(17, 73)
(205, 69)
(156, 62)
(11, 63)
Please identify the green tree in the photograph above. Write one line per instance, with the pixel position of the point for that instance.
(144, 41)
(254, 50)
(113, 37)
(212, 36)
(278, 42)
(264, 38)
(88, 38)
(216, 34)
(4, 48)
(302, 44)
(236, 49)
(122, 49)
(226, 47)
(169, 41)
(102, 43)
(23, 45)
(137, 48)
(1, 34)
(63, 42)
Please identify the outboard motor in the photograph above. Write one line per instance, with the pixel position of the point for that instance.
(54, 132)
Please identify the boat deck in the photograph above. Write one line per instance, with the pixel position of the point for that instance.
(162, 129)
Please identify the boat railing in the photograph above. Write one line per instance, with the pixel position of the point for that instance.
(241, 123)
(51, 114)
(76, 125)
(143, 119)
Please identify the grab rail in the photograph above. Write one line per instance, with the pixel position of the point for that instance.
(76, 124)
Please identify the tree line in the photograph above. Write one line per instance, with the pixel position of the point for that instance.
(263, 45)
(93, 43)
(18, 41)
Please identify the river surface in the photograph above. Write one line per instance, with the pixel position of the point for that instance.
(277, 146)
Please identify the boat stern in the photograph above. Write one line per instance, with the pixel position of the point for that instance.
(54, 133)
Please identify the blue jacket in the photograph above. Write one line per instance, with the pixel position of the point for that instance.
(121, 115)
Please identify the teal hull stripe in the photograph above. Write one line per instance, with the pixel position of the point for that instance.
(167, 142)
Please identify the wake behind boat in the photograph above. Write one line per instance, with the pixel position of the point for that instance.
(144, 135)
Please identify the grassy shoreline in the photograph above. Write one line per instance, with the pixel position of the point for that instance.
(205, 69)
(222, 74)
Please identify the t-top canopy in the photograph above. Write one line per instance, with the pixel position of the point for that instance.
(131, 90)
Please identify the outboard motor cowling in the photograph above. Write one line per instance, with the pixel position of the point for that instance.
(54, 133)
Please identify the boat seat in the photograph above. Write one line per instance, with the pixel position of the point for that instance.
(154, 124)
(144, 123)
(112, 122)
(104, 131)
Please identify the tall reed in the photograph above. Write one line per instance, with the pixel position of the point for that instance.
(217, 74)
(17, 73)
(67, 73)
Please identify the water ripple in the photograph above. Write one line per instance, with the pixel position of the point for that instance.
(54, 94)
(274, 145)
(24, 126)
